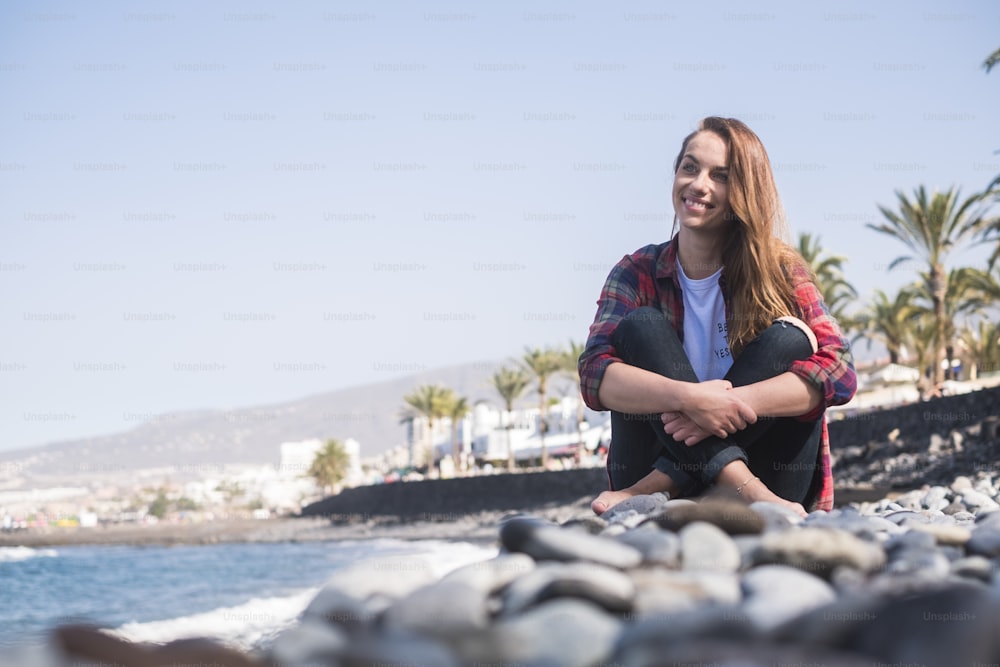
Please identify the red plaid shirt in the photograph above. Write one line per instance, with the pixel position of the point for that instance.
(648, 278)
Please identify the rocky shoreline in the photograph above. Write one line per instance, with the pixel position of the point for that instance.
(903, 572)
(909, 580)
(478, 527)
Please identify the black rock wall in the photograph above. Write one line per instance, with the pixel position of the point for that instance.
(917, 421)
(449, 499)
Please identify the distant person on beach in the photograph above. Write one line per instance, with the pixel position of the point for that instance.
(714, 351)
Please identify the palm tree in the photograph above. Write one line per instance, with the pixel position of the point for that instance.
(569, 363)
(986, 284)
(962, 297)
(982, 345)
(930, 229)
(992, 60)
(428, 400)
(542, 363)
(889, 321)
(829, 272)
(510, 383)
(456, 408)
(330, 464)
(922, 336)
(989, 228)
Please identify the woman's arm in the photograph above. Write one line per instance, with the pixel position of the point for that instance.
(608, 383)
(713, 405)
(825, 378)
(830, 370)
(785, 395)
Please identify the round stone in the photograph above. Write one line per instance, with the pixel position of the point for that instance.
(311, 641)
(973, 567)
(705, 546)
(559, 632)
(819, 550)
(978, 500)
(394, 577)
(733, 517)
(660, 591)
(776, 517)
(545, 541)
(489, 576)
(606, 587)
(657, 546)
(777, 593)
(985, 541)
(444, 608)
(945, 534)
(641, 504)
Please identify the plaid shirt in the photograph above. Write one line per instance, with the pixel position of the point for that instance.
(648, 278)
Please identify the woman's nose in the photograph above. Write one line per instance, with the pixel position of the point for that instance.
(700, 181)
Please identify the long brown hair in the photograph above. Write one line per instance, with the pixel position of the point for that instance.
(754, 254)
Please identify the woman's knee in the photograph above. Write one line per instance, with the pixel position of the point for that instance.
(787, 338)
(642, 324)
(788, 320)
(646, 338)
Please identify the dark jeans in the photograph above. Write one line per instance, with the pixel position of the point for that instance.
(781, 451)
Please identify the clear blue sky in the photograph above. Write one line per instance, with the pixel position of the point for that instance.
(219, 205)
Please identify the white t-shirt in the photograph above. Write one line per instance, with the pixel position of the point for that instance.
(706, 339)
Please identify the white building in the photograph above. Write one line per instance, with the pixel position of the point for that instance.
(482, 435)
(297, 457)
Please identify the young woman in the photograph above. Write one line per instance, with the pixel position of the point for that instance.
(714, 351)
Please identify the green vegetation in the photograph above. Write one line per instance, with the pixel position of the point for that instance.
(510, 383)
(330, 465)
(931, 228)
(160, 505)
(542, 363)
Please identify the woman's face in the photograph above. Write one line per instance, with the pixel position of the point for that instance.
(701, 184)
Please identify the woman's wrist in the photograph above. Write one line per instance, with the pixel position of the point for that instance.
(678, 396)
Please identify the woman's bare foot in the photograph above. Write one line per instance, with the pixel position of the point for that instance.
(609, 499)
(737, 477)
(654, 482)
(755, 491)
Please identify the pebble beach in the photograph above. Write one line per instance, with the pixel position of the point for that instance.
(909, 578)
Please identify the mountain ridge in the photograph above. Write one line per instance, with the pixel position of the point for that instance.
(369, 413)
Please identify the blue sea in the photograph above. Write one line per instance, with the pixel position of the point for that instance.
(238, 593)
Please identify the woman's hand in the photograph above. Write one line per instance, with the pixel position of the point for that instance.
(680, 427)
(712, 408)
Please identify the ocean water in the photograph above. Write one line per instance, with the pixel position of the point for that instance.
(238, 593)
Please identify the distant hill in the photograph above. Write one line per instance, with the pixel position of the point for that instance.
(370, 414)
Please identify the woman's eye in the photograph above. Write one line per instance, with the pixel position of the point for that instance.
(688, 168)
(721, 177)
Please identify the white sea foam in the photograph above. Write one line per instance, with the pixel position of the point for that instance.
(443, 557)
(243, 625)
(252, 623)
(11, 554)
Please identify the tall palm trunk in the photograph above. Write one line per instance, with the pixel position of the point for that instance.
(938, 291)
(510, 447)
(543, 425)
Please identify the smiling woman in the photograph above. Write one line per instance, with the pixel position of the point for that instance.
(714, 351)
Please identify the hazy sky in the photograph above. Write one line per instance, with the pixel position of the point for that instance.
(219, 205)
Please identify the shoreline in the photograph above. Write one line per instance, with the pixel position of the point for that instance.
(478, 527)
